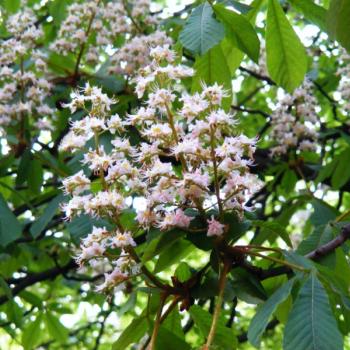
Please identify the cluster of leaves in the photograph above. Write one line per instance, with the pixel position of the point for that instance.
(294, 271)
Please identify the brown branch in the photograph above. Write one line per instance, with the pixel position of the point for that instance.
(329, 247)
(257, 75)
(316, 254)
(250, 111)
(29, 280)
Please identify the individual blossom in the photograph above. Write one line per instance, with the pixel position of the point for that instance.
(122, 240)
(174, 219)
(88, 252)
(215, 228)
(76, 184)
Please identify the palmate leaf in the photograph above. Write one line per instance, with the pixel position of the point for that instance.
(261, 318)
(311, 324)
(338, 21)
(39, 225)
(56, 328)
(10, 228)
(340, 175)
(233, 55)
(320, 235)
(131, 334)
(167, 339)
(285, 54)
(201, 31)
(242, 8)
(32, 334)
(314, 13)
(240, 32)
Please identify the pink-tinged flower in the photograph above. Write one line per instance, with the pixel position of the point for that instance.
(201, 180)
(122, 240)
(92, 251)
(116, 277)
(214, 93)
(76, 184)
(215, 228)
(172, 219)
(146, 217)
(181, 219)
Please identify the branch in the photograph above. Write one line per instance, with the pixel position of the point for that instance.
(23, 283)
(257, 75)
(102, 329)
(250, 111)
(327, 248)
(316, 254)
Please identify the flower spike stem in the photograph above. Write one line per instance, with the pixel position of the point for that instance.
(214, 323)
(152, 344)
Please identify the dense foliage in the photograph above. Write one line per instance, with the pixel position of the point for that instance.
(174, 177)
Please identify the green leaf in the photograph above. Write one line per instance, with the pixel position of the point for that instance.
(173, 254)
(326, 171)
(314, 13)
(247, 287)
(261, 318)
(341, 175)
(285, 54)
(56, 328)
(212, 68)
(22, 173)
(161, 242)
(289, 180)
(311, 324)
(14, 313)
(39, 225)
(224, 337)
(201, 31)
(57, 10)
(31, 335)
(271, 230)
(323, 213)
(233, 55)
(321, 234)
(31, 298)
(240, 31)
(242, 8)
(168, 340)
(298, 259)
(11, 6)
(132, 334)
(35, 176)
(173, 323)
(10, 228)
(183, 272)
(338, 21)
(5, 288)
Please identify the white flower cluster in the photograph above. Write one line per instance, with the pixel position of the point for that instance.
(135, 54)
(98, 24)
(294, 122)
(191, 132)
(344, 85)
(23, 86)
